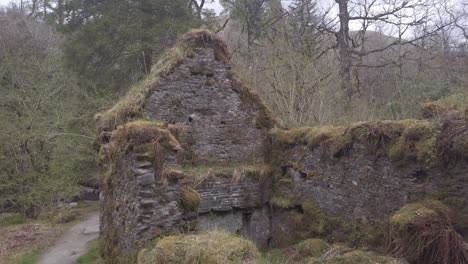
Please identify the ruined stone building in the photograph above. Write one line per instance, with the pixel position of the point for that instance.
(192, 148)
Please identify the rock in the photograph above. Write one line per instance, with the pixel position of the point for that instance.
(146, 179)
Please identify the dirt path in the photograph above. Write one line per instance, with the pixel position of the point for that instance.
(73, 242)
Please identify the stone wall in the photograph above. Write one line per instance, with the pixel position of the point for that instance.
(142, 205)
(200, 95)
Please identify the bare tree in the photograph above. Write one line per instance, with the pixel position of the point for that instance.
(403, 15)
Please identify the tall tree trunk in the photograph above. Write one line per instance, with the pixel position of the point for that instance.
(345, 52)
(60, 12)
(146, 36)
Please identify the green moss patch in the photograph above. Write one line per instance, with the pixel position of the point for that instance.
(402, 141)
(417, 143)
(209, 247)
(419, 211)
(310, 136)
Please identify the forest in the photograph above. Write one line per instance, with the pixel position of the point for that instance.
(314, 63)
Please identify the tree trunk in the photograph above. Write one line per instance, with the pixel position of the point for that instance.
(146, 37)
(345, 52)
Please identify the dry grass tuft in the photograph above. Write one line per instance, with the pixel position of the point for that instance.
(211, 247)
(189, 199)
(422, 233)
(205, 39)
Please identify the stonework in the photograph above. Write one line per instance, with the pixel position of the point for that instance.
(199, 95)
(222, 127)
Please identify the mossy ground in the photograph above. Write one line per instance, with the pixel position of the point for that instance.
(209, 247)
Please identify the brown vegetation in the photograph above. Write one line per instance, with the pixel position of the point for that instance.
(422, 233)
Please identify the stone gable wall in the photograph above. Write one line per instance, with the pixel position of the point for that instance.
(199, 94)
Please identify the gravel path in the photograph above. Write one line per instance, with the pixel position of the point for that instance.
(73, 242)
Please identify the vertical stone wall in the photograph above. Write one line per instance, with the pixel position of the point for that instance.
(141, 205)
(223, 122)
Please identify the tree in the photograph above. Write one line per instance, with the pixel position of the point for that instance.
(119, 39)
(402, 14)
(45, 140)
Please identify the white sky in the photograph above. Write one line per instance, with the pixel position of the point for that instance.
(4, 2)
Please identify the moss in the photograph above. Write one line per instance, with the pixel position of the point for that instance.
(374, 135)
(313, 247)
(417, 211)
(208, 247)
(140, 133)
(189, 199)
(282, 202)
(417, 143)
(310, 136)
(402, 141)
